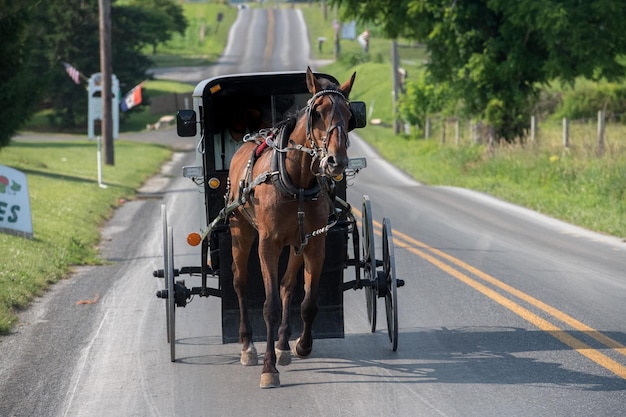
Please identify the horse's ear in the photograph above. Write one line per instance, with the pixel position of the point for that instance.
(311, 82)
(347, 86)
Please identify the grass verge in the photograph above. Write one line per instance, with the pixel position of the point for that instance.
(67, 207)
(573, 184)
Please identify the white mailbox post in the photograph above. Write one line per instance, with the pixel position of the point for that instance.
(94, 91)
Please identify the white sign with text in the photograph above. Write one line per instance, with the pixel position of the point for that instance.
(15, 215)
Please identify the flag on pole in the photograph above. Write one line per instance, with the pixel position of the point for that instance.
(72, 72)
(132, 98)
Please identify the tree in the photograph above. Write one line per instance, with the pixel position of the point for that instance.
(76, 39)
(496, 54)
(17, 81)
(422, 99)
(65, 31)
(161, 19)
(36, 38)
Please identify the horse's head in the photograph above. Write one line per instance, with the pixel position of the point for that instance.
(328, 114)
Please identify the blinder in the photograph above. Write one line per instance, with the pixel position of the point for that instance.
(358, 115)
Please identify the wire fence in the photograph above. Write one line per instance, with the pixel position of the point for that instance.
(586, 136)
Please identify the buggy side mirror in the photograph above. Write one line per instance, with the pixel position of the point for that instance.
(186, 123)
(359, 115)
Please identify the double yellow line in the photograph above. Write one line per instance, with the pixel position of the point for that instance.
(269, 45)
(480, 282)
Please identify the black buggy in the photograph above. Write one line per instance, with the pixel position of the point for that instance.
(265, 100)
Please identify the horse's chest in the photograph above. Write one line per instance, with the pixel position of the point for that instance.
(276, 211)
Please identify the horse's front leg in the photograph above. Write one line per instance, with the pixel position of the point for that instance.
(287, 285)
(242, 237)
(313, 262)
(269, 253)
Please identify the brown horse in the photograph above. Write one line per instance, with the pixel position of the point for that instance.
(284, 194)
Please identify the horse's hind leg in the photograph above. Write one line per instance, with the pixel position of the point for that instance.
(242, 237)
(287, 285)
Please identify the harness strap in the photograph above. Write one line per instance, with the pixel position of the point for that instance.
(260, 179)
(303, 238)
(278, 164)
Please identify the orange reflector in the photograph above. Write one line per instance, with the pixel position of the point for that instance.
(338, 177)
(193, 239)
(215, 88)
(214, 183)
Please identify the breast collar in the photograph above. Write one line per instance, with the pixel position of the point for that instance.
(278, 164)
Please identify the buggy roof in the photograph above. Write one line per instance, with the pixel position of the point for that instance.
(256, 84)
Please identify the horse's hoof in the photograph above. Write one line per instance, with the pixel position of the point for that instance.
(283, 357)
(249, 357)
(270, 380)
(298, 352)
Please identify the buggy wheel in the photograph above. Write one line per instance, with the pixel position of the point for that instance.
(171, 294)
(165, 268)
(356, 249)
(369, 262)
(391, 283)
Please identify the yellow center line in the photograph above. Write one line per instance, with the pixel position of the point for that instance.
(269, 46)
(406, 242)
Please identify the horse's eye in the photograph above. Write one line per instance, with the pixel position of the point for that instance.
(317, 114)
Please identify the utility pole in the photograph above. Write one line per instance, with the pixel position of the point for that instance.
(394, 77)
(106, 68)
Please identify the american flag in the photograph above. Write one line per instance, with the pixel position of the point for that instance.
(72, 72)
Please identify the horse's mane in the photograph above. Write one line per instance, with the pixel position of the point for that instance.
(326, 84)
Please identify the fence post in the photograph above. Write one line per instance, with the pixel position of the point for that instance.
(443, 131)
(457, 133)
(565, 132)
(476, 132)
(427, 128)
(600, 132)
(533, 128)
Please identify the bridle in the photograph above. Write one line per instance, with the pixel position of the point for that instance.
(321, 153)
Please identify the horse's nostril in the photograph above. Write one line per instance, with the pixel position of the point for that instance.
(341, 161)
(331, 161)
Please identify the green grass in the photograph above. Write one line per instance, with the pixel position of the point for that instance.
(66, 228)
(67, 208)
(374, 77)
(204, 39)
(573, 184)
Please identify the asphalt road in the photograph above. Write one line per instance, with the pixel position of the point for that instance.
(505, 312)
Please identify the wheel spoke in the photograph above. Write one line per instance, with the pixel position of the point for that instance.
(391, 300)
(171, 294)
(369, 266)
(165, 268)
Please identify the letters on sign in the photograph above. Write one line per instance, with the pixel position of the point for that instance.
(15, 215)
